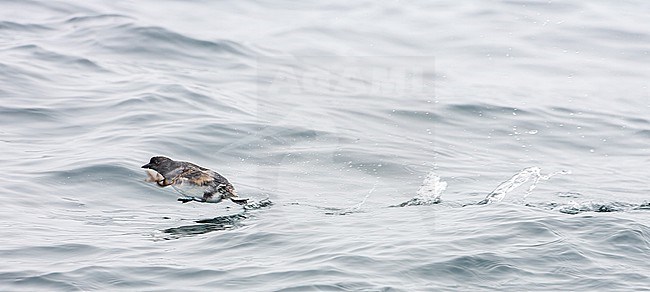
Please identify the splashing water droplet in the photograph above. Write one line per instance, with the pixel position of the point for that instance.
(517, 180)
(429, 192)
(431, 188)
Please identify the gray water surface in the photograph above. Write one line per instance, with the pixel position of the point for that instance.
(325, 115)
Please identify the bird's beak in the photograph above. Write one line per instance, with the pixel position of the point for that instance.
(148, 165)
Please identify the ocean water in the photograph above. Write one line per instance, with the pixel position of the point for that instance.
(385, 146)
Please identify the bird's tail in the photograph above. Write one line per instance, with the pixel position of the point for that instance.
(232, 195)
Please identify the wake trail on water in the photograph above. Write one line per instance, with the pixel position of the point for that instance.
(573, 207)
(430, 193)
(432, 187)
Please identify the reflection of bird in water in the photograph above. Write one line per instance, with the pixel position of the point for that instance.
(220, 223)
(207, 225)
(194, 182)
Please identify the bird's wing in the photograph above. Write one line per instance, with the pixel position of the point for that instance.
(197, 176)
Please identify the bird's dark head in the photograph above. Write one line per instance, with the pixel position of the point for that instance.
(159, 163)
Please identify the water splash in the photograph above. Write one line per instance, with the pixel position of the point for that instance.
(354, 209)
(357, 207)
(530, 173)
(258, 205)
(429, 192)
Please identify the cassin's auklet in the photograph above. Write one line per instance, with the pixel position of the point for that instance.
(192, 181)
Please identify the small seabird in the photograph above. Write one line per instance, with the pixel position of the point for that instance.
(192, 181)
